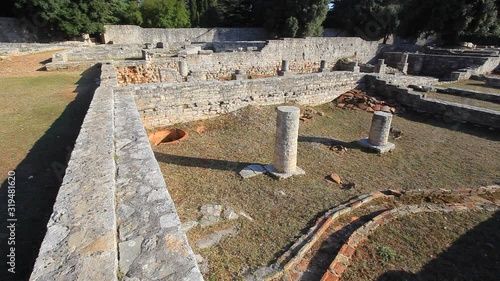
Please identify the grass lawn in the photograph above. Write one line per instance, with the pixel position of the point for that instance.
(464, 100)
(203, 169)
(427, 246)
(29, 106)
(40, 118)
(471, 85)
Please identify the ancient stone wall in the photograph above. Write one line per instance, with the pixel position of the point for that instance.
(304, 56)
(442, 66)
(170, 103)
(129, 34)
(448, 110)
(113, 216)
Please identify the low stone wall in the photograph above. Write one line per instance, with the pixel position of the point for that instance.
(113, 217)
(442, 66)
(470, 94)
(31, 48)
(129, 34)
(304, 56)
(418, 102)
(99, 53)
(166, 104)
(80, 243)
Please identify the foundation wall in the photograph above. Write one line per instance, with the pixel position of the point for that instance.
(166, 104)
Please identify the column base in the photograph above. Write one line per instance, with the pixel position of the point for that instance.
(284, 73)
(272, 171)
(380, 149)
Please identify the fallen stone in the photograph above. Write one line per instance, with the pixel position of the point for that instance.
(252, 171)
(247, 216)
(187, 226)
(213, 239)
(229, 214)
(210, 214)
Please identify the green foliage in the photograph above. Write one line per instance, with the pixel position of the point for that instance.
(164, 13)
(132, 14)
(368, 19)
(386, 253)
(291, 27)
(74, 17)
(450, 18)
(204, 13)
(276, 16)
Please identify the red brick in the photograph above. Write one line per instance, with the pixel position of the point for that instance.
(339, 268)
(328, 276)
(347, 251)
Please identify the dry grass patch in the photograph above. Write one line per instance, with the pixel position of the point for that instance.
(428, 246)
(203, 170)
(464, 100)
(471, 85)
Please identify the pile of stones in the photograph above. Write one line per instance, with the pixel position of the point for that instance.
(357, 99)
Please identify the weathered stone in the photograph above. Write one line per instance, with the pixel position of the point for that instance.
(286, 140)
(252, 171)
(183, 68)
(379, 133)
(210, 214)
(129, 251)
(214, 238)
(229, 214)
(187, 226)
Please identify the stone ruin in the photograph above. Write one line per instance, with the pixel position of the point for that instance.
(156, 81)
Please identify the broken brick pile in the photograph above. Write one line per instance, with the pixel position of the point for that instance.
(357, 99)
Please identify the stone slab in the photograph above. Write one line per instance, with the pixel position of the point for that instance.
(275, 173)
(380, 149)
(252, 171)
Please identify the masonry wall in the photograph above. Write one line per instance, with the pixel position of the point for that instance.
(113, 217)
(418, 102)
(304, 56)
(166, 104)
(127, 34)
(442, 66)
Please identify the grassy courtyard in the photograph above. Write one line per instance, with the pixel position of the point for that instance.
(430, 154)
(40, 118)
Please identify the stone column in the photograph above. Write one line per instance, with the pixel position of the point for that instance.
(285, 146)
(403, 64)
(380, 67)
(356, 68)
(183, 68)
(285, 65)
(323, 67)
(238, 75)
(379, 133)
(285, 68)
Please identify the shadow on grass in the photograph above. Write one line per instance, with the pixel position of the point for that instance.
(474, 256)
(37, 181)
(353, 145)
(213, 164)
(329, 248)
(465, 128)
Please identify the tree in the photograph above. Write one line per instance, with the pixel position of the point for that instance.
(74, 17)
(165, 13)
(368, 19)
(450, 18)
(132, 14)
(277, 16)
(204, 13)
